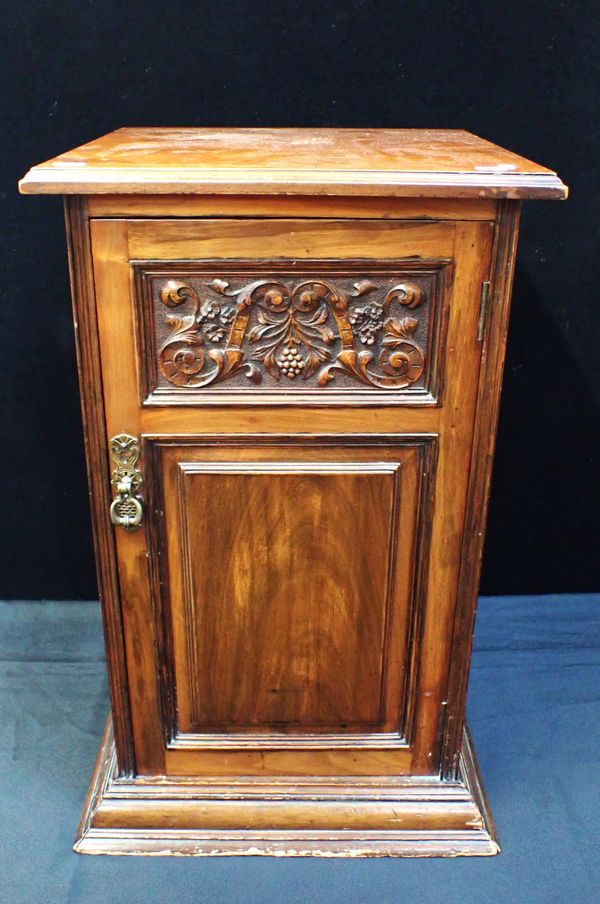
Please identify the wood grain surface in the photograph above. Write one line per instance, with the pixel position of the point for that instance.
(272, 546)
(401, 162)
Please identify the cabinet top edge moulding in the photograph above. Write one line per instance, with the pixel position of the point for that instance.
(426, 163)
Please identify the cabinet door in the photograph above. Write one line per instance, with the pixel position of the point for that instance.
(302, 394)
(290, 590)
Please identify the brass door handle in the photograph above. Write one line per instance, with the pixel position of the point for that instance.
(127, 507)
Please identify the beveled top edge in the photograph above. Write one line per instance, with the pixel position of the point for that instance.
(385, 162)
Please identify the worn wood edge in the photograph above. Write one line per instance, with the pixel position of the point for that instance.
(55, 179)
(96, 454)
(104, 770)
(353, 398)
(471, 833)
(403, 844)
(469, 769)
(482, 455)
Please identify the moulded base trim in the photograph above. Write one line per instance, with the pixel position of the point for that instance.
(286, 816)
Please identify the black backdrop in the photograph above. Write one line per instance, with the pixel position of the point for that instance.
(523, 74)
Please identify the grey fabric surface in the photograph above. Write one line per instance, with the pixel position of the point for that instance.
(534, 711)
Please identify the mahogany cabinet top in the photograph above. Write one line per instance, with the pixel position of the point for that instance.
(384, 162)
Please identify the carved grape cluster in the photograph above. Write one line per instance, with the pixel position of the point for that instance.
(220, 318)
(369, 320)
(291, 363)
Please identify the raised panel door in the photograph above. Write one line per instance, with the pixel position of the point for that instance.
(288, 601)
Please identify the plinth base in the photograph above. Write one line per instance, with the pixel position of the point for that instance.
(342, 816)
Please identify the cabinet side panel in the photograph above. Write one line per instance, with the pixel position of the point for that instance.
(92, 407)
(484, 438)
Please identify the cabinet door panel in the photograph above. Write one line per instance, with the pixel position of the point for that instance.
(286, 615)
(289, 590)
(273, 332)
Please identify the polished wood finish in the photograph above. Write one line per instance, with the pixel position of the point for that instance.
(360, 208)
(407, 162)
(484, 439)
(97, 462)
(313, 381)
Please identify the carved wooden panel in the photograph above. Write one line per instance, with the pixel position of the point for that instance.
(289, 592)
(260, 331)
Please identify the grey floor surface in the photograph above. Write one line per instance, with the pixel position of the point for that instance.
(534, 714)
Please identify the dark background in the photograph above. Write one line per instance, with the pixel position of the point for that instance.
(523, 74)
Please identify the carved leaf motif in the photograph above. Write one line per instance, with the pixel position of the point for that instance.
(174, 292)
(326, 376)
(363, 286)
(214, 333)
(314, 324)
(180, 323)
(398, 330)
(292, 330)
(219, 285)
(293, 338)
(255, 333)
(268, 359)
(263, 316)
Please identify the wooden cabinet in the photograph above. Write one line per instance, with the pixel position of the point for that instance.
(290, 348)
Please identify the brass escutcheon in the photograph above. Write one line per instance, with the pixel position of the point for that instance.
(126, 509)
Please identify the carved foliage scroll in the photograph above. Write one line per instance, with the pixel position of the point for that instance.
(296, 332)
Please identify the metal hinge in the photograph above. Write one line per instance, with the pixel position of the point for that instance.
(442, 718)
(483, 309)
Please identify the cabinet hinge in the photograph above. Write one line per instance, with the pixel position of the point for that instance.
(483, 309)
(442, 718)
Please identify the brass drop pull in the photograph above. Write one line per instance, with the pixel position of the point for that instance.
(126, 509)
